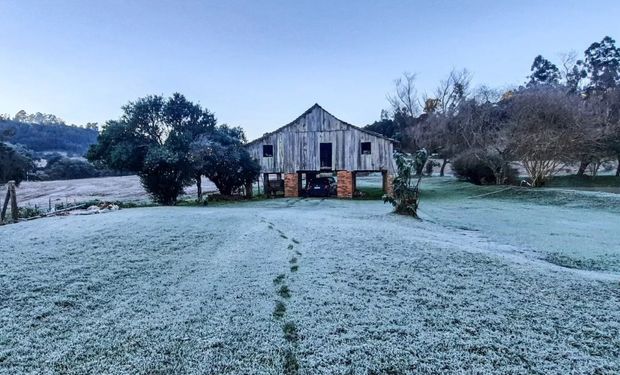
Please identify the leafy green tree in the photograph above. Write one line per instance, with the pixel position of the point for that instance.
(67, 168)
(164, 174)
(602, 63)
(118, 147)
(152, 138)
(543, 72)
(220, 156)
(575, 73)
(386, 127)
(602, 68)
(15, 163)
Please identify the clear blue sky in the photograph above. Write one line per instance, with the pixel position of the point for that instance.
(259, 64)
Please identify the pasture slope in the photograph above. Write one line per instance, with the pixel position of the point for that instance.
(498, 284)
(107, 189)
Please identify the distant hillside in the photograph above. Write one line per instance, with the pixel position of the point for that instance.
(48, 137)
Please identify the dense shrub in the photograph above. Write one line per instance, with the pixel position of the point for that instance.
(164, 175)
(469, 168)
(15, 163)
(221, 157)
(69, 168)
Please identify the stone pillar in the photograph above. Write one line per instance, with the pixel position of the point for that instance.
(345, 184)
(388, 183)
(291, 185)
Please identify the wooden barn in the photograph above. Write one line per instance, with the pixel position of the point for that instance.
(318, 143)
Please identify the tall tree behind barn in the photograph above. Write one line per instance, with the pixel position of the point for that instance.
(318, 142)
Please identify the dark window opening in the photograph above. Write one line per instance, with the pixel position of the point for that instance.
(366, 148)
(267, 151)
(325, 155)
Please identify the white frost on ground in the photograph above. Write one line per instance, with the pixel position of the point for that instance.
(190, 290)
(124, 188)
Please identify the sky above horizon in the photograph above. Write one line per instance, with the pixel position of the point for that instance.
(260, 64)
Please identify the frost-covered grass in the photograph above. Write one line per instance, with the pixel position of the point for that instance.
(495, 284)
(109, 189)
(572, 228)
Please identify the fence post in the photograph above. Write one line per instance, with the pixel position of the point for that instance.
(5, 204)
(14, 210)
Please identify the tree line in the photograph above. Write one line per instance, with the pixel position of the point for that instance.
(560, 116)
(43, 147)
(48, 136)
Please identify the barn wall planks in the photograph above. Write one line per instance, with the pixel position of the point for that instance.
(296, 147)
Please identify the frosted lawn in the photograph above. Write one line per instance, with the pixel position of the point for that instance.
(471, 289)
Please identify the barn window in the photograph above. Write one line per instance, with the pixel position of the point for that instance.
(366, 148)
(267, 151)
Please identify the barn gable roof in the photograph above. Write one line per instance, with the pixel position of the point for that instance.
(310, 110)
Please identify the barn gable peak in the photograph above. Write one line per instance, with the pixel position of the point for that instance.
(317, 107)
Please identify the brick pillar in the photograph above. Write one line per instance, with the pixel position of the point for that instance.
(291, 185)
(345, 184)
(388, 183)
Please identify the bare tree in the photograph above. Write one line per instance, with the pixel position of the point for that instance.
(405, 96)
(485, 94)
(573, 71)
(545, 130)
(481, 131)
(601, 131)
(452, 90)
(434, 131)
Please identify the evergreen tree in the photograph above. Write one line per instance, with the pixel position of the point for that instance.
(602, 63)
(543, 72)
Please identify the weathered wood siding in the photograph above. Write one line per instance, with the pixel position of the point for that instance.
(296, 146)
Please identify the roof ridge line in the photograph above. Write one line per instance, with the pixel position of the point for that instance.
(307, 112)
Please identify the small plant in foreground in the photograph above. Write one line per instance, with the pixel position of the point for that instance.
(290, 332)
(405, 196)
(29, 212)
(279, 310)
(284, 292)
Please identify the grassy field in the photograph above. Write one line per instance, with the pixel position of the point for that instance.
(493, 281)
(107, 189)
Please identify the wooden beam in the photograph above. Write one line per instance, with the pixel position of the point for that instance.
(14, 210)
(5, 205)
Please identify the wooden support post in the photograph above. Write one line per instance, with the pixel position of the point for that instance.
(14, 210)
(11, 197)
(266, 187)
(248, 190)
(5, 205)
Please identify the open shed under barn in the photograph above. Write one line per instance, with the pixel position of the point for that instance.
(317, 143)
